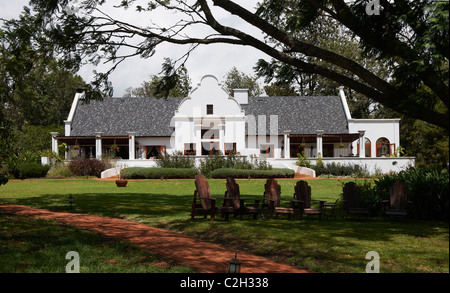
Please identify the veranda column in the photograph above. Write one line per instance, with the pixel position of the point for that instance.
(98, 145)
(362, 143)
(132, 145)
(319, 142)
(54, 142)
(287, 144)
(198, 139)
(222, 138)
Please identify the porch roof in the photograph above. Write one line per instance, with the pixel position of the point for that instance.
(311, 138)
(83, 140)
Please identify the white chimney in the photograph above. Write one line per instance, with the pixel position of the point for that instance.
(241, 96)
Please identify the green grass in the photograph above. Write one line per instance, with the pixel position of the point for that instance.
(321, 246)
(40, 246)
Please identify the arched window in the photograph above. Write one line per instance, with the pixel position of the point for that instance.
(384, 147)
(368, 148)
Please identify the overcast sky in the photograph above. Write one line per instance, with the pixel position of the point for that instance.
(211, 59)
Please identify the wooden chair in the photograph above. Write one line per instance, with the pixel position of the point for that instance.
(351, 201)
(240, 208)
(207, 205)
(398, 200)
(302, 195)
(272, 196)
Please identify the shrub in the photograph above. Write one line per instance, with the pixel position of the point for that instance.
(176, 160)
(3, 174)
(241, 173)
(218, 161)
(302, 160)
(87, 167)
(59, 171)
(157, 173)
(334, 169)
(30, 170)
(428, 190)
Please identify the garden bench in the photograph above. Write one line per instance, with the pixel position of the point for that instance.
(352, 201)
(398, 202)
(302, 195)
(207, 205)
(240, 208)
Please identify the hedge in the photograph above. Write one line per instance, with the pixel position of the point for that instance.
(157, 173)
(30, 170)
(241, 173)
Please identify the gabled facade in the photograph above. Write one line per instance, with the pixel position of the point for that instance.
(209, 120)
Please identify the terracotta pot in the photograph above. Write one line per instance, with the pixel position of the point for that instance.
(121, 182)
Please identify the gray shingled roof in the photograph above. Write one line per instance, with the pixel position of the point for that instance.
(117, 116)
(151, 117)
(301, 115)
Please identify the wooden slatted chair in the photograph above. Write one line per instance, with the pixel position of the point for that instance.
(240, 208)
(352, 201)
(302, 197)
(207, 205)
(398, 202)
(272, 195)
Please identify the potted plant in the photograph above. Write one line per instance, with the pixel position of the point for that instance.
(121, 182)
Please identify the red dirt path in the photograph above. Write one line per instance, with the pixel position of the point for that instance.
(203, 257)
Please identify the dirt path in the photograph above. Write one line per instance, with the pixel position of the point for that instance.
(202, 256)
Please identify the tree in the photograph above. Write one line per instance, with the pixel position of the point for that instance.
(411, 37)
(327, 34)
(154, 88)
(235, 79)
(36, 91)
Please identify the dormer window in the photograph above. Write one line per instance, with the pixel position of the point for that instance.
(209, 109)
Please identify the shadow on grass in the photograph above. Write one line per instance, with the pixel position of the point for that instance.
(327, 245)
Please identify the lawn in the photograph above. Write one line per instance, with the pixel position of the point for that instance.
(322, 246)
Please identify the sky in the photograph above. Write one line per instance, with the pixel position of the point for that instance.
(215, 59)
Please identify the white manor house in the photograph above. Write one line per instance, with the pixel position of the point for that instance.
(276, 128)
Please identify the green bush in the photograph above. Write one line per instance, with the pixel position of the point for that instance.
(302, 160)
(157, 173)
(428, 190)
(340, 170)
(176, 160)
(3, 174)
(59, 171)
(30, 170)
(241, 173)
(218, 161)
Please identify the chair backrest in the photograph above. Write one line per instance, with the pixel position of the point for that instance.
(203, 191)
(273, 191)
(351, 195)
(398, 195)
(303, 193)
(233, 192)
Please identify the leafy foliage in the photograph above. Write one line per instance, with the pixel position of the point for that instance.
(87, 167)
(157, 173)
(428, 190)
(223, 173)
(29, 169)
(175, 160)
(409, 38)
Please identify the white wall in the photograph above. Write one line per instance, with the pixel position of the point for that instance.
(374, 165)
(375, 129)
(191, 117)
